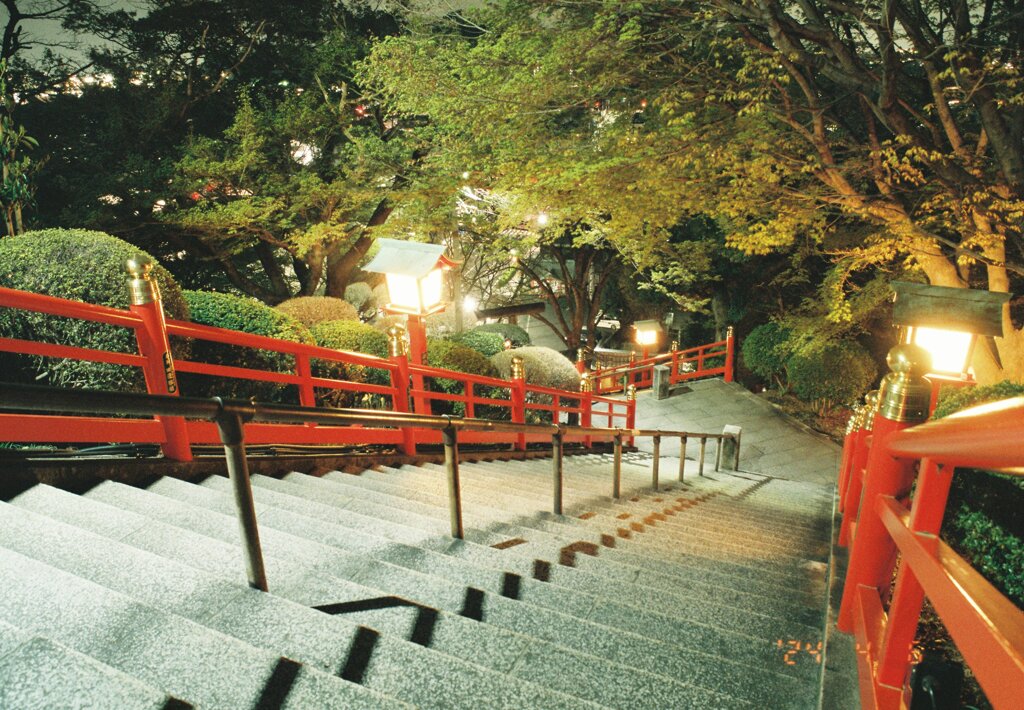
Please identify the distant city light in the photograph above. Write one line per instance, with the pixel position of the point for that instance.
(542, 219)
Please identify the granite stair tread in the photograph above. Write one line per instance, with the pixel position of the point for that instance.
(656, 599)
(35, 670)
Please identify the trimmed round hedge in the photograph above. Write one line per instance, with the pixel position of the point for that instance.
(246, 315)
(519, 337)
(544, 367)
(80, 265)
(310, 310)
(450, 355)
(353, 336)
(485, 343)
(835, 373)
(764, 351)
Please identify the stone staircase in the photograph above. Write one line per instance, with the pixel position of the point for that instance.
(706, 594)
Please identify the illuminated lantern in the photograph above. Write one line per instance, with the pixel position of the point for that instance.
(947, 322)
(646, 334)
(414, 275)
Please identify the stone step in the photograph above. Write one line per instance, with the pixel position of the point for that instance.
(181, 658)
(573, 596)
(618, 611)
(316, 504)
(480, 492)
(36, 674)
(435, 518)
(320, 568)
(476, 512)
(652, 660)
(396, 667)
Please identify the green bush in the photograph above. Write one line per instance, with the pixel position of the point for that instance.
(764, 352)
(247, 315)
(544, 367)
(353, 336)
(835, 373)
(79, 265)
(485, 343)
(953, 399)
(310, 310)
(984, 524)
(360, 295)
(450, 355)
(519, 337)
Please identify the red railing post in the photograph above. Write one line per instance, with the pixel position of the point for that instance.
(730, 354)
(850, 496)
(400, 384)
(904, 402)
(517, 392)
(586, 407)
(417, 355)
(581, 360)
(156, 348)
(303, 368)
(926, 515)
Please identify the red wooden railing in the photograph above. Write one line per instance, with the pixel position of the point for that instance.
(690, 364)
(881, 466)
(402, 393)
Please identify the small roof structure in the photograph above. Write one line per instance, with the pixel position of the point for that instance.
(961, 309)
(414, 259)
(647, 325)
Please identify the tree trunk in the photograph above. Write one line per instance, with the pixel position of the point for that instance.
(342, 265)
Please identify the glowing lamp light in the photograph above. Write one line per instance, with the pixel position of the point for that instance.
(947, 322)
(414, 275)
(950, 349)
(647, 332)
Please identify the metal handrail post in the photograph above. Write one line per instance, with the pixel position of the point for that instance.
(703, 446)
(682, 457)
(557, 451)
(657, 461)
(232, 435)
(736, 458)
(451, 464)
(617, 468)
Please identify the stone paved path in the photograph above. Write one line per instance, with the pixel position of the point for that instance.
(772, 443)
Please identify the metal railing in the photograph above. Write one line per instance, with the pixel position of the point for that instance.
(231, 417)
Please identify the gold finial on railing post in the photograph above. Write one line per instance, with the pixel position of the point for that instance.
(142, 288)
(518, 368)
(905, 395)
(631, 393)
(675, 345)
(581, 360)
(730, 355)
(155, 347)
(396, 341)
(586, 385)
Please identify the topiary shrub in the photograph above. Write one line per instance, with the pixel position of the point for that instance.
(247, 315)
(80, 265)
(450, 355)
(446, 322)
(544, 367)
(519, 337)
(485, 343)
(353, 336)
(984, 522)
(835, 373)
(310, 310)
(764, 352)
(360, 295)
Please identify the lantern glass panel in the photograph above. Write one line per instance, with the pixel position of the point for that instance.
(432, 290)
(948, 348)
(646, 337)
(404, 293)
